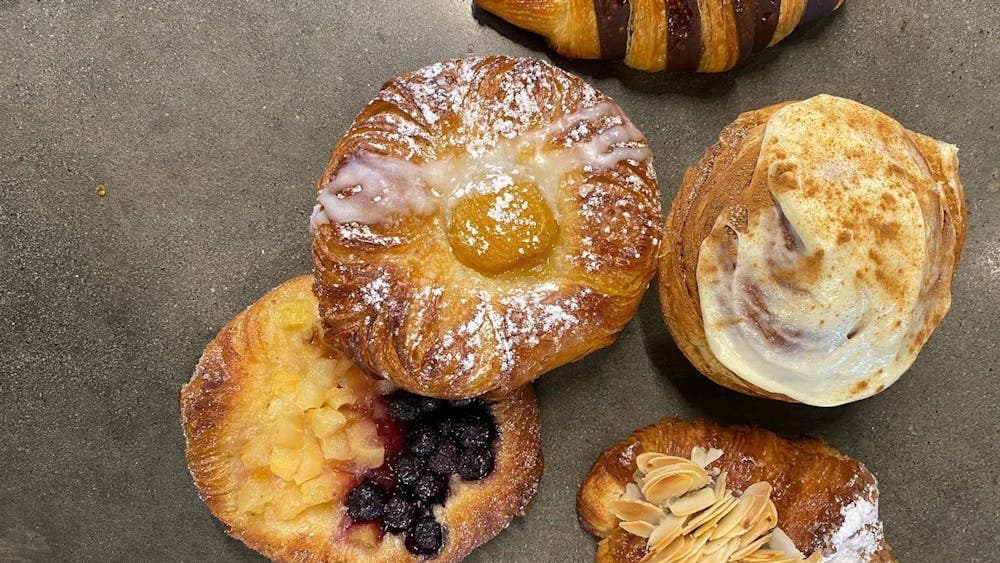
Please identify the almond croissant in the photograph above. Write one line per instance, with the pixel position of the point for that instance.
(654, 35)
(805, 498)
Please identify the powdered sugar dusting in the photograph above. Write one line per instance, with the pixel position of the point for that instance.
(376, 292)
(528, 317)
(860, 535)
(360, 234)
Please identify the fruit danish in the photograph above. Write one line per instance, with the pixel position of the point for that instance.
(483, 221)
(677, 491)
(305, 458)
(654, 35)
(810, 254)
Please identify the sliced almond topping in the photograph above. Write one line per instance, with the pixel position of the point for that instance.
(708, 527)
(743, 515)
(678, 548)
(752, 547)
(781, 542)
(664, 534)
(688, 515)
(720, 485)
(711, 515)
(649, 461)
(655, 557)
(731, 547)
(757, 510)
(714, 557)
(642, 460)
(632, 492)
(640, 528)
(696, 546)
(703, 457)
(668, 487)
(686, 468)
(764, 524)
(770, 556)
(714, 546)
(693, 502)
(730, 521)
(632, 510)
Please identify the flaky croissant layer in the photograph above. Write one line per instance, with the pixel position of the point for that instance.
(812, 250)
(654, 35)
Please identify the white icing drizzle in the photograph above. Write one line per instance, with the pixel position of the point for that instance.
(622, 141)
(376, 189)
(370, 188)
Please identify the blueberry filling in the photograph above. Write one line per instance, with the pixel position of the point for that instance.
(444, 460)
(400, 513)
(408, 469)
(475, 463)
(441, 439)
(366, 502)
(430, 488)
(422, 440)
(425, 537)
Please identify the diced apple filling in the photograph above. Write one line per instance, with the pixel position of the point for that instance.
(310, 431)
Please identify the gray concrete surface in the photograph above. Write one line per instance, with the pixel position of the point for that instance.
(207, 123)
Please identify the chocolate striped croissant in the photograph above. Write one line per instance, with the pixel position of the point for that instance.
(655, 35)
(809, 255)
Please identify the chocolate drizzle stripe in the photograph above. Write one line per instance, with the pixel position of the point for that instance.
(816, 9)
(768, 12)
(745, 15)
(612, 27)
(683, 35)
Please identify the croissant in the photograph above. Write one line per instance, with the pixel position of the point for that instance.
(482, 222)
(655, 35)
(678, 491)
(809, 254)
(303, 457)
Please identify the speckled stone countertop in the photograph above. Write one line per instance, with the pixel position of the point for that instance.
(205, 126)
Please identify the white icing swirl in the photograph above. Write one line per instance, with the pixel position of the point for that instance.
(820, 296)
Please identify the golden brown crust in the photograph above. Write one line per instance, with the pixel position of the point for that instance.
(722, 185)
(222, 396)
(647, 50)
(812, 482)
(397, 298)
(720, 40)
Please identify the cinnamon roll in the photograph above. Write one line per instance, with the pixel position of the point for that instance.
(483, 221)
(809, 254)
